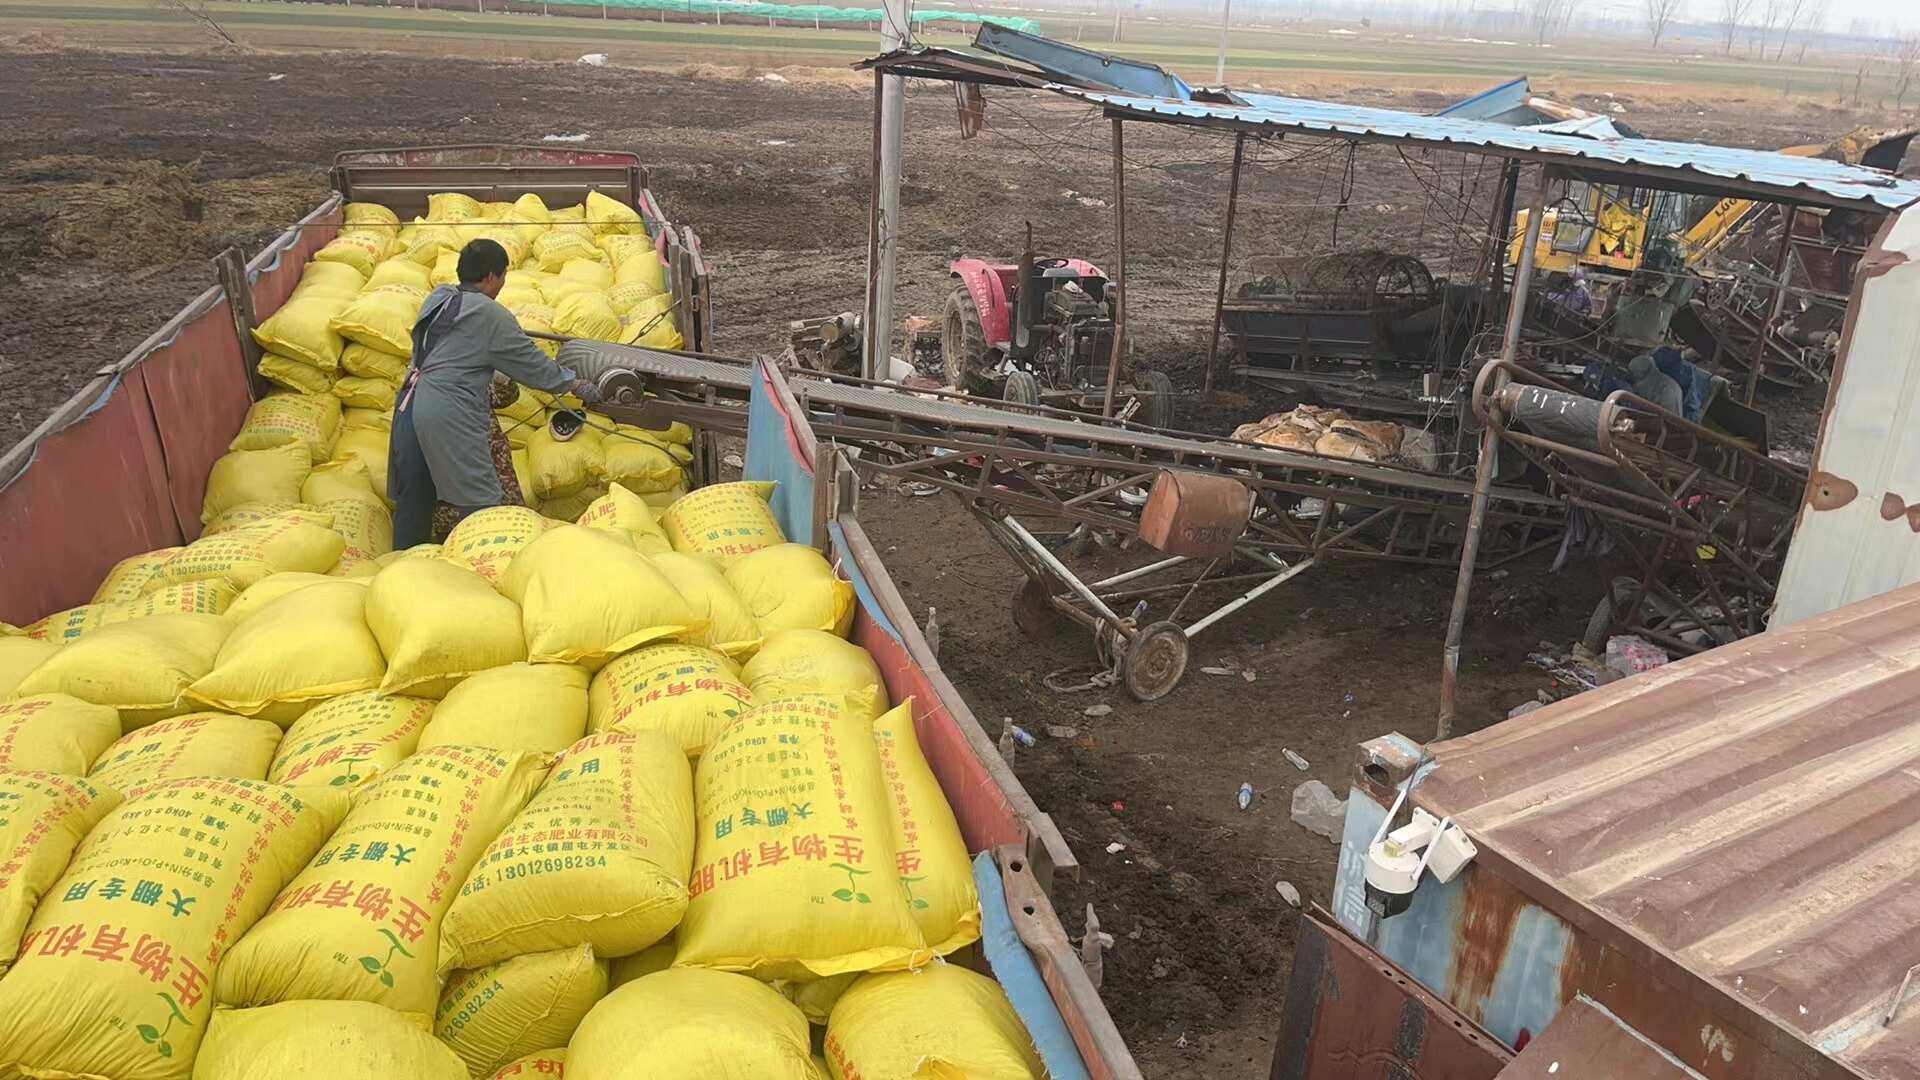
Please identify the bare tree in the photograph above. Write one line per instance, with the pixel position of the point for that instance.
(1772, 14)
(1549, 17)
(1659, 14)
(1906, 57)
(1814, 25)
(1794, 11)
(1863, 65)
(1733, 13)
(197, 11)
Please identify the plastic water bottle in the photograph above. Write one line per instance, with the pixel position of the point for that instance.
(1246, 796)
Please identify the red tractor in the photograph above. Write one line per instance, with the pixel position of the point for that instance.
(1040, 332)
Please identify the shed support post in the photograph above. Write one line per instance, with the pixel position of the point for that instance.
(1483, 468)
(1226, 253)
(231, 270)
(1783, 277)
(867, 363)
(1120, 260)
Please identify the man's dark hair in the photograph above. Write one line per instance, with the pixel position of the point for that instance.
(481, 259)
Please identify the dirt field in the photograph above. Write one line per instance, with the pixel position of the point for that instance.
(126, 171)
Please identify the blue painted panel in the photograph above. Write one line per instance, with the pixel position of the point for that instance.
(770, 456)
(1019, 976)
(861, 587)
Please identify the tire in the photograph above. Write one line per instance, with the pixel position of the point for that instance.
(963, 344)
(1599, 626)
(1156, 410)
(1021, 389)
(1155, 660)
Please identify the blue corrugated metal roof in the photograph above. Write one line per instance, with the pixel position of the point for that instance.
(1813, 180)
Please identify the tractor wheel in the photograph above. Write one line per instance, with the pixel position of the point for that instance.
(1154, 661)
(1156, 410)
(1021, 389)
(963, 344)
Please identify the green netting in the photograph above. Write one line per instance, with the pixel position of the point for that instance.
(809, 13)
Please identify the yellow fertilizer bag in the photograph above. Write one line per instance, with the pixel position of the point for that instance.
(382, 318)
(278, 419)
(378, 394)
(635, 463)
(296, 375)
(130, 575)
(795, 870)
(623, 511)
(362, 922)
(570, 215)
(361, 250)
(369, 447)
(541, 1063)
(621, 247)
(498, 1014)
(349, 741)
(453, 206)
(532, 208)
(683, 691)
(585, 598)
(329, 279)
(397, 271)
(19, 657)
(114, 972)
(140, 667)
(271, 588)
(307, 646)
(487, 540)
(367, 528)
(374, 419)
(43, 817)
(554, 248)
(569, 509)
(792, 587)
(599, 858)
(191, 598)
(814, 662)
(625, 298)
(562, 468)
(54, 733)
(253, 476)
(934, 866)
(663, 499)
(608, 215)
(729, 624)
(526, 707)
(446, 269)
(643, 268)
(364, 213)
(438, 623)
(233, 517)
(649, 324)
(66, 627)
(526, 409)
(655, 957)
(587, 314)
(944, 1021)
(197, 744)
(686, 1022)
(724, 521)
(368, 362)
(592, 273)
(302, 330)
(244, 555)
(322, 1040)
(333, 481)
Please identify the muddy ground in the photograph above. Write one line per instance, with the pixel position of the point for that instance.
(125, 172)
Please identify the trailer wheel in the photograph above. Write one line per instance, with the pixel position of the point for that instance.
(1021, 389)
(1599, 626)
(1154, 661)
(963, 344)
(1156, 410)
(1033, 612)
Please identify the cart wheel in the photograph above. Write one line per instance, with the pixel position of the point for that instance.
(1154, 661)
(1033, 612)
(1157, 410)
(1021, 389)
(1598, 626)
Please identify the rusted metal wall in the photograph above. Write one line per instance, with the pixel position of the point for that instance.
(1859, 529)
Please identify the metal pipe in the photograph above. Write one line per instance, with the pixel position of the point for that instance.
(873, 225)
(1761, 339)
(1135, 575)
(1220, 61)
(1483, 467)
(1047, 558)
(1263, 589)
(1120, 260)
(1226, 243)
(897, 16)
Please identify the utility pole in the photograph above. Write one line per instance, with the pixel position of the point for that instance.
(1220, 62)
(880, 277)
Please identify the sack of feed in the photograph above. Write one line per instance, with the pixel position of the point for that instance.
(942, 1021)
(586, 598)
(724, 521)
(43, 817)
(278, 419)
(349, 741)
(54, 733)
(296, 375)
(934, 866)
(130, 575)
(623, 511)
(376, 893)
(114, 970)
(655, 957)
(688, 1022)
(322, 1040)
(598, 858)
(365, 525)
(256, 476)
(242, 556)
(366, 393)
(438, 623)
(307, 646)
(498, 1014)
(197, 744)
(729, 624)
(795, 870)
(528, 707)
(609, 215)
(540, 1063)
(140, 667)
(19, 657)
(302, 330)
(684, 691)
(562, 468)
(814, 662)
(487, 540)
(792, 587)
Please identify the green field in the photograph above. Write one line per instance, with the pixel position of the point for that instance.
(1188, 48)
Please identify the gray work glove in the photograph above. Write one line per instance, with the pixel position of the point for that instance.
(587, 392)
